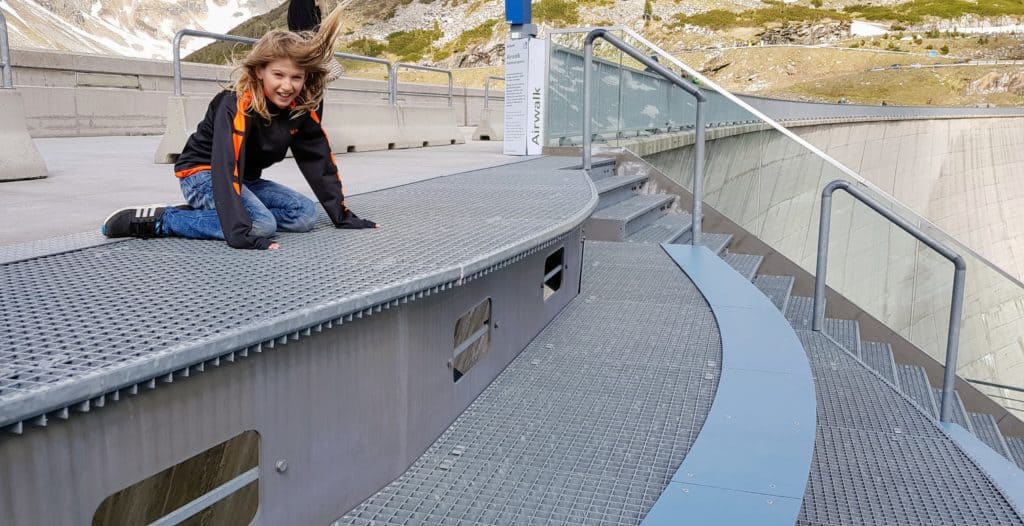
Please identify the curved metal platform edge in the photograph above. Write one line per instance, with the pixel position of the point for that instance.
(1003, 473)
(551, 180)
(751, 460)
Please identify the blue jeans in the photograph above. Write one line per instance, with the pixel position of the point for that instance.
(273, 208)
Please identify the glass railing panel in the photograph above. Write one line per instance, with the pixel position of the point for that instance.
(769, 182)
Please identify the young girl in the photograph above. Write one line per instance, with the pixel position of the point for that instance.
(273, 105)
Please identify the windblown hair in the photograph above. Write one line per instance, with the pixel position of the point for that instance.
(308, 50)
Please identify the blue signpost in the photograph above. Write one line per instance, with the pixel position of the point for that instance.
(518, 14)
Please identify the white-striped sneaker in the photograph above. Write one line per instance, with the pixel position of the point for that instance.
(134, 221)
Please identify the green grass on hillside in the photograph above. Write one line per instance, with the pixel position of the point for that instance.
(915, 11)
(478, 35)
(556, 12)
(719, 19)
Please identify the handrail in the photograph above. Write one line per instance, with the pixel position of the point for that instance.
(487, 89)
(176, 49)
(394, 80)
(1000, 386)
(5, 56)
(959, 275)
(656, 67)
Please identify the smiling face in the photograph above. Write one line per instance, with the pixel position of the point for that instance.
(282, 81)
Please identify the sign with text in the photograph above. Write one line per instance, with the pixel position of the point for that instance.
(525, 96)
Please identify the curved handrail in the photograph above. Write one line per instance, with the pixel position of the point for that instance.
(959, 276)
(176, 49)
(656, 67)
(5, 56)
(393, 99)
(487, 89)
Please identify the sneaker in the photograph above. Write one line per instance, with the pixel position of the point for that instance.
(136, 221)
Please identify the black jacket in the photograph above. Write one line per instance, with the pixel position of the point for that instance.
(237, 147)
(303, 15)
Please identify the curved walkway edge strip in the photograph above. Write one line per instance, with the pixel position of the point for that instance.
(1002, 472)
(751, 460)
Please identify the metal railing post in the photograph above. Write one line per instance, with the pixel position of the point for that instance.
(959, 279)
(393, 84)
(698, 174)
(654, 67)
(487, 89)
(5, 55)
(176, 51)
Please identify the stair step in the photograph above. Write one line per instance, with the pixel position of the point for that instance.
(777, 288)
(745, 264)
(986, 429)
(612, 190)
(844, 332)
(622, 219)
(959, 412)
(601, 168)
(1016, 446)
(714, 242)
(878, 356)
(914, 383)
(666, 229)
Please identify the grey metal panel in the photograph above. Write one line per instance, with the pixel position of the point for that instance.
(985, 428)
(618, 221)
(666, 229)
(914, 383)
(745, 264)
(716, 243)
(878, 356)
(618, 189)
(777, 288)
(1003, 473)
(1016, 447)
(364, 398)
(81, 324)
(761, 444)
(588, 425)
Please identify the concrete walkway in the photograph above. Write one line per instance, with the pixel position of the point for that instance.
(92, 176)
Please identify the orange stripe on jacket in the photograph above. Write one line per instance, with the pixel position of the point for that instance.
(238, 136)
(188, 172)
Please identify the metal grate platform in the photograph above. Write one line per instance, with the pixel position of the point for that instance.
(78, 324)
(589, 423)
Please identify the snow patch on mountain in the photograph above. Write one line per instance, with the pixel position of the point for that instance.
(133, 28)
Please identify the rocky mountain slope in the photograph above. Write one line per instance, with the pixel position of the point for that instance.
(135, 28)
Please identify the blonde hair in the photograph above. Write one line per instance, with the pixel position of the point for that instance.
(307, 49)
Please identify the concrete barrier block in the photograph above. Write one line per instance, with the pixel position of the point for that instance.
(429, 126)
(19, 157)
(183, 115)
(492, 125)
(359, 127)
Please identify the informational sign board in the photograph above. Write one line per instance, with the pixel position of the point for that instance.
(525, 96)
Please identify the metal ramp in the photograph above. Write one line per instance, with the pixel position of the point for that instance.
(589, 423)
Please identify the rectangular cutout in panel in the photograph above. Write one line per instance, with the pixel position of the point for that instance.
(169, 496)
(553, 267)
(472, 339)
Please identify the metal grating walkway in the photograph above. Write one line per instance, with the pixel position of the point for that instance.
(589, 423)
(879, 459)
(79, 324)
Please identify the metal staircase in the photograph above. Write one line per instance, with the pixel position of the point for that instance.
(646, 217)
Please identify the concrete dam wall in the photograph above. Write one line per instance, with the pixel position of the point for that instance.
(957, 173)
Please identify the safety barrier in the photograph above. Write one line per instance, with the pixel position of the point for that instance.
(429, 126)
(492, 120)
(19, 158)
(357, 127)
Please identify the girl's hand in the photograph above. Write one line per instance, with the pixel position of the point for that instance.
(274, 246)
